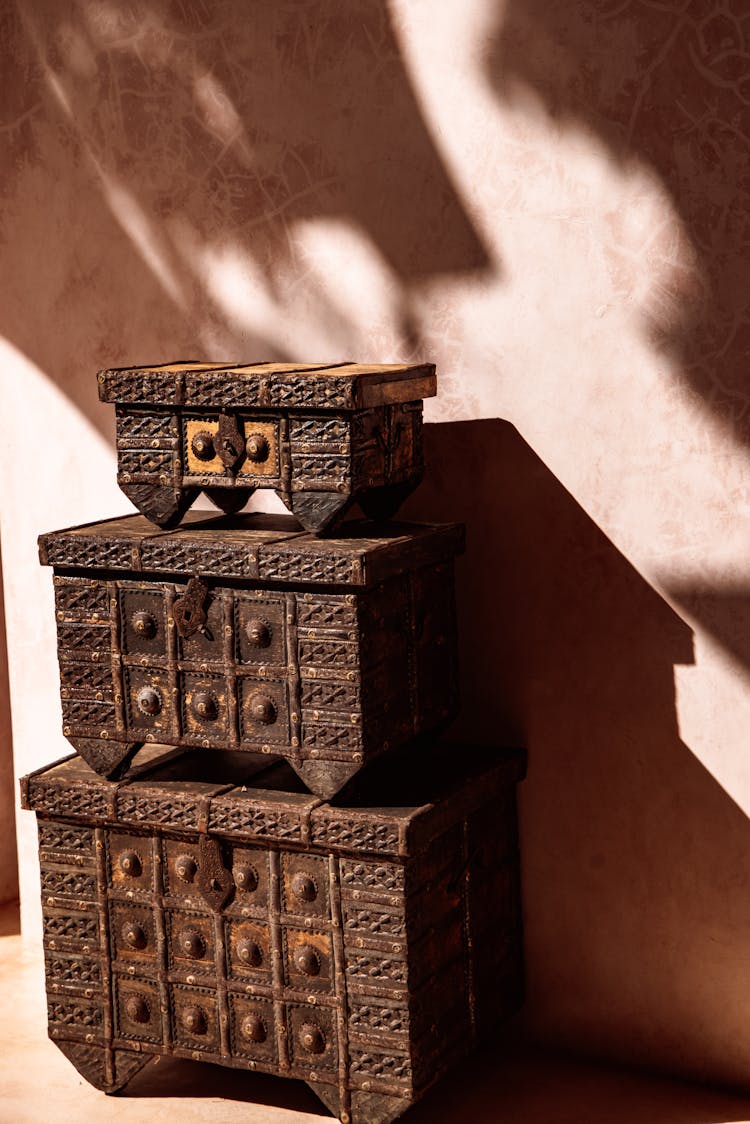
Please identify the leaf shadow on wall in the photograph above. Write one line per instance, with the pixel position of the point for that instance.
(161, 159)
(635, 925)
(666, 85)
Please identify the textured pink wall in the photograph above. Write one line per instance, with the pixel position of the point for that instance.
(549, 198)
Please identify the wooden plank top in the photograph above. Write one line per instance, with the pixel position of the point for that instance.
(273, 386)
(265, 548)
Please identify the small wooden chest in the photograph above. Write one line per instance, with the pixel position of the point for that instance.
(320, 435)
(249, 634)
(362, 949)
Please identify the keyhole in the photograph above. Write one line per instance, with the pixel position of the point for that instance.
(215, 884)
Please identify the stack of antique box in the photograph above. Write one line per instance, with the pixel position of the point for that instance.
(228, 873)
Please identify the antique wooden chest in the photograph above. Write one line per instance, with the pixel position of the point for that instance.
(320, 435)
(246, 633)
(362, 949)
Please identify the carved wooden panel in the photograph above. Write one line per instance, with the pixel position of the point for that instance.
(321, 437)
(325, 678)
(363, 962)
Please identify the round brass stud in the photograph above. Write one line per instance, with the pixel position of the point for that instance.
(246, 878)
(253, 1028)
(307, 961)
(205, 706)
(194, 1020)
(257, 448)
(149, 701)
(203, 445)
(192, 944)
(133, 934)
(137, 1008)
(262, 709)
(303, 887)
(144, 624)
(311, 1038)
(258, 633)
(249, 952)
(130, 863)
(185, 867)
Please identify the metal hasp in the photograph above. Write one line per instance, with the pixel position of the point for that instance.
(322, 436)
(364, 950)
(249, 634)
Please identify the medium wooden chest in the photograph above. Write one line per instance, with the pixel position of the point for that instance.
(249, 634)
(362, 949)
(320, 435)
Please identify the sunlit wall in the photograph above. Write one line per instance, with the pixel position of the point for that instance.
(547, 198)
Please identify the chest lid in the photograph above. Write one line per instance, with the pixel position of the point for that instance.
(317, 386)
(396, 810)
(267, 548)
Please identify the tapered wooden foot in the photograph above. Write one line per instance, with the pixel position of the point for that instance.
(382, 504)
(107, 758)
(317, 511)
(108, 1070)
(377, 1108)
(326, 778)
(229, 500)
(365, 1108)
(161, 504)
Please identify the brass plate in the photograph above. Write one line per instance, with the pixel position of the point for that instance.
(270, 466)
(195, 466)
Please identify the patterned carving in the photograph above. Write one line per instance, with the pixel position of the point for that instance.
(81, 599)
(217, 389)
(327, 653)
(83, 639)
(67, 971)
(373, 969)
(74, 928)
(61, 837)
(86, 680)
(244, 818)
(75, 884)
(381, 877)
(74, 1014)
(156, 462)
(317, 695)
(132, 426)
(365, 1018)
(392, 1067)
(75, 550)
(174, 810)
(316, 467)
(88, 712)
(70, 800)
(136, 385)
(333, 739)
(364, 834)
(374, 923)
(276, 565)
(326, 613)
(318, 431)
(184, 557)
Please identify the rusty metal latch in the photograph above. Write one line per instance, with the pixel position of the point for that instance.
(214, 881)
(189, 611)
(230, 443)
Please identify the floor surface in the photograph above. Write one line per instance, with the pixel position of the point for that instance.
(520, 1086)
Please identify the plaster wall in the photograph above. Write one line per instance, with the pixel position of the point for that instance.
(549, 199)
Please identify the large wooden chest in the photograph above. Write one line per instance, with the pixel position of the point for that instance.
(249, 634)
(320, 435)
(362, 949)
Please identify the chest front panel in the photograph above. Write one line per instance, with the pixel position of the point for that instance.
(309, 676)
